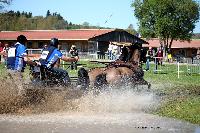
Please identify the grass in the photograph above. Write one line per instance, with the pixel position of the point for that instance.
(181, 95)
(181, 98)
(185, 108)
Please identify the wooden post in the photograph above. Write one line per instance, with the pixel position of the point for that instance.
(97, 50)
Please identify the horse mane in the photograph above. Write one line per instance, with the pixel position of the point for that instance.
(134, 54)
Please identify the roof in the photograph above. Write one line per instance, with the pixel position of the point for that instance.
(111, 35)
(176, 44)
(119, 35)
(83, 34)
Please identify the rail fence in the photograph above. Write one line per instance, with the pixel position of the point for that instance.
(185, 65)
(82, 55)
(192, 66)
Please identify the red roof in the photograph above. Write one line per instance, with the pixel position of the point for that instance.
(83, 34)
(176, 44)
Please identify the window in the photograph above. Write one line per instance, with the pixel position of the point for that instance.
(29, 45)
(40, 45)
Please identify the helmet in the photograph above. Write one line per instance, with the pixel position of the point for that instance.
(21, 39)
(54, 42)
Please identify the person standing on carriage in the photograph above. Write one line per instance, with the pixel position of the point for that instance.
(74, 53)
(48, 59)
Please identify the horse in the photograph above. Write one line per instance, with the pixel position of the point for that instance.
(115, 73)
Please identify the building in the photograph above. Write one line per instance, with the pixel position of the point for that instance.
(179, 48)
(87, 41)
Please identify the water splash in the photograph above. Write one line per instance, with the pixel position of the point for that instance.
(109, 100)
(115, 101)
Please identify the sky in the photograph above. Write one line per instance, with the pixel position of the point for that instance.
(105, 13)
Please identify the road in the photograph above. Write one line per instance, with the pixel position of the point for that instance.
(62, 122)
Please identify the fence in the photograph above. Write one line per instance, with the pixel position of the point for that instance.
(82, 55)
(184, 65)
(193, 66)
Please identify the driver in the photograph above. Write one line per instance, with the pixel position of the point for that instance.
(50, 56)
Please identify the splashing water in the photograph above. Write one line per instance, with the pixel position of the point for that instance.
(119, 100)
(115, 101)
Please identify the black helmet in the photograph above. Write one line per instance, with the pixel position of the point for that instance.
(21, 39)
(54, 42)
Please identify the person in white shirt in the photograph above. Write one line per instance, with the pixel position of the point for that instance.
(110, 48)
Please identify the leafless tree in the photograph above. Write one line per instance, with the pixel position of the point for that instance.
(4, 2)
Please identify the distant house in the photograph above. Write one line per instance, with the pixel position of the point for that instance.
(86, 40)
(179, 48)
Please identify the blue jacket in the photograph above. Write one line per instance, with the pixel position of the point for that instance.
(15, 60)
(49, 56)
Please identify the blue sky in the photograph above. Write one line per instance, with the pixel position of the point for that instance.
(117, 13)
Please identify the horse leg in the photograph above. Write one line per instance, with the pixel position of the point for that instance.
(83, 79)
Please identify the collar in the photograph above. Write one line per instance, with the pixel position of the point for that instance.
(17, 43)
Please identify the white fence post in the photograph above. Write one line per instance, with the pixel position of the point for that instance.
(178, 69)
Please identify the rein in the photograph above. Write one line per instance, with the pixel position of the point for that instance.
(129, 65)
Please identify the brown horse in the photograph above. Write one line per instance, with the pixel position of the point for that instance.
(116, 73)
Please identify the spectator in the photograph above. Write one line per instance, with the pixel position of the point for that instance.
(169, 56)
(74, 52)
(114, 52)
(1, 50)
(149, 54)
(158, 59)
(160, 56)
(5, 50)
(110, 48)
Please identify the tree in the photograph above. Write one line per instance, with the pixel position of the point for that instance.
(167, 20)
(86, 25)
(48, 13)
(131, 30)
(4, 2)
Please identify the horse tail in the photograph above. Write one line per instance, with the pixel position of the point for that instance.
(83, 79)
(100, 81)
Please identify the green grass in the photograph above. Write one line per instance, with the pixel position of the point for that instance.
(185, 108)
(2, 71)
(181, 98)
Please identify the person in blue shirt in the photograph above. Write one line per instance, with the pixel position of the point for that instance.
(48, 59)
(16, 62)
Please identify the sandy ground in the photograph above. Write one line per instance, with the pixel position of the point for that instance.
(72, 111)
(90, 123)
